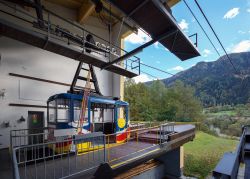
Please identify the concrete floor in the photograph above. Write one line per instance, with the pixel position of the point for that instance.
(5, 166)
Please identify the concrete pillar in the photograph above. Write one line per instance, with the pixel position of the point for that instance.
(171, 161)
(182, 158)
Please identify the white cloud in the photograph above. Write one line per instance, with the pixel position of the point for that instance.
(248, 10)
(183, 25)
(230, 47)
(139, 38)
(156, 44)
(142, 78)
(232, 13)
(241, 32)
(243, 46)
(177, 68)
(206, 52)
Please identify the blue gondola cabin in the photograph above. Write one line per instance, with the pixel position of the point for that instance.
(103, 114)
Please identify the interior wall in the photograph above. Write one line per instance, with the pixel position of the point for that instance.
(20, 58)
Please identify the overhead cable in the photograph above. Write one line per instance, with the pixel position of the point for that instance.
(202, 27)
(215, 34)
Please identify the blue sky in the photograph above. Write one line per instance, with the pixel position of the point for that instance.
(230, 19)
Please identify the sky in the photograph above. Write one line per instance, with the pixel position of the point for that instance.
(229, 18)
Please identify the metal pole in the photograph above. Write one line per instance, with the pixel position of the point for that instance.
(104, 148)
(15, 165)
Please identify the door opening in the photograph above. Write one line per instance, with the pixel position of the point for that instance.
(35, 126)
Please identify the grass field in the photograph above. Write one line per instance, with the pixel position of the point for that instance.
(221, 113)
(202, 155)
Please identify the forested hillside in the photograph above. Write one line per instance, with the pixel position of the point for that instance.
(217, 83)
(158, 102)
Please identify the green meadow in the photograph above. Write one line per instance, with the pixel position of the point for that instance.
(202, 154)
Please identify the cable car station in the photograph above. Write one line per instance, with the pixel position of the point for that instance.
(63, 67)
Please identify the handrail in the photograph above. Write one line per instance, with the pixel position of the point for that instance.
(54, 142)
(218, 172)
(136, 130)
(22, 161)
(68, 140)
(104, 146)
(44, 128)
(15, 165)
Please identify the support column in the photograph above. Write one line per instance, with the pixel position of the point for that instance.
(182, 158)
(171, 162)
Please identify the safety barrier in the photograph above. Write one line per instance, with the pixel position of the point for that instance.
(229, 164)
(166, 129)
(22, 137)
(68, 156)
(137, 140)
(61, 158)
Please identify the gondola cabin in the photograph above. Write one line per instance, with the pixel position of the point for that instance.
(102, 114)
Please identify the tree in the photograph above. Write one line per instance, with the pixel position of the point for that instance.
(157, 102)
(137, 95)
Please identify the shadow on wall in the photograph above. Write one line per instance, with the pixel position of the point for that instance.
(2, 93)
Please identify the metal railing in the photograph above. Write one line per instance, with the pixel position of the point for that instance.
(166, 129)
(67, 156)
(137, 140)
(59, 159)
(153, 123)
(57, 28)
(228, 168)
(22, 137)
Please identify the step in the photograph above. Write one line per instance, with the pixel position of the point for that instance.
(85, 69)
(84, 79)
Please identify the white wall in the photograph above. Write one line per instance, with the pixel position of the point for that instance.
(20, 58)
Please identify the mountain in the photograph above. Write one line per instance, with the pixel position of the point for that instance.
(217, 82)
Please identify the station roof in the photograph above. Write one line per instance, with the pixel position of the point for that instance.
(156, 19)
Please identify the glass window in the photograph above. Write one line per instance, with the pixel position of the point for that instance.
(98, 115)
(121, 110)
(77, 109)
(52, 111)
(63, 110)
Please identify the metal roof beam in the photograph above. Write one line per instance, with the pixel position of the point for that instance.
(139, 49)
(132, 28)
(86, 9)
